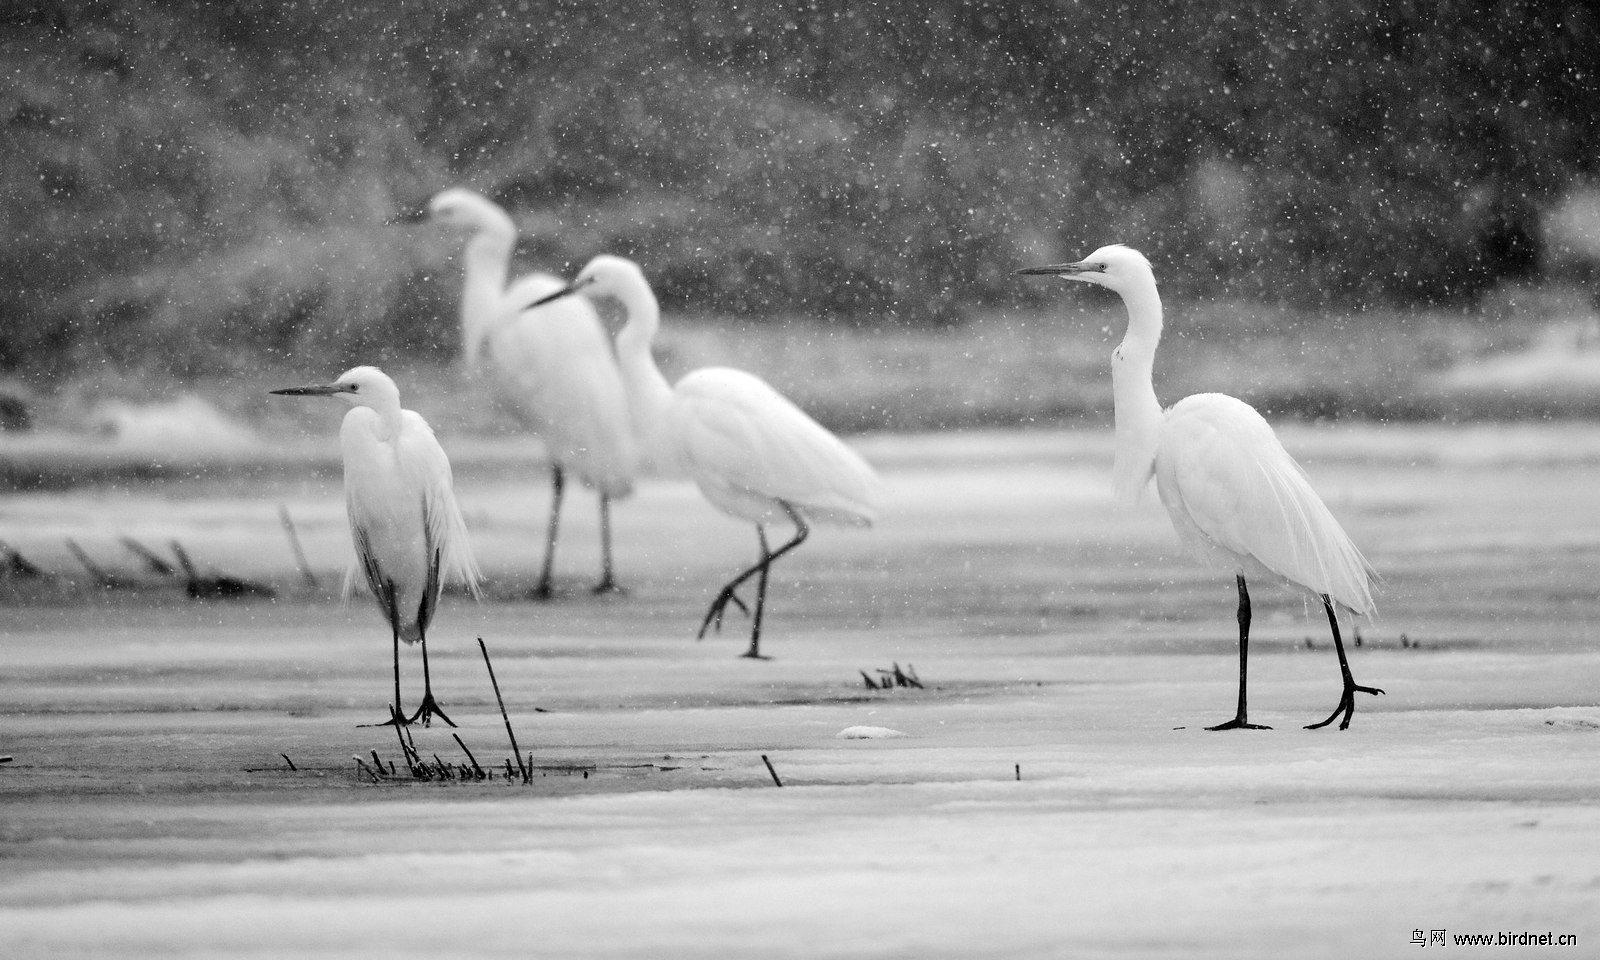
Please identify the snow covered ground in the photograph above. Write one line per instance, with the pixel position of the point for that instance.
(1053, 793)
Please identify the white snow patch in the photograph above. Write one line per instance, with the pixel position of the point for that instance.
(1563, 357)
(868, 733)
(186, 425)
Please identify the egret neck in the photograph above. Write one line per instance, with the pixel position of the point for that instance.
(385, 426)
(486, 263)
(1136, 410)
(649, 394)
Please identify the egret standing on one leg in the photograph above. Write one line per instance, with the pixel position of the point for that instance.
(754, 455)
(407, 529)
(553, 364)
(1234, 494)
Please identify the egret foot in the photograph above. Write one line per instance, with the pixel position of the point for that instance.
(609, 587)
(1347, 704)
(753, 654)
(718, 607)
(429, 709)
(1239, 723)
(395, 720)
(544, 592)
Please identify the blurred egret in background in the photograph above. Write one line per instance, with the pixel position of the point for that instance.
(553, 364)
(1235, 496)
(408, 531)
(754, 454)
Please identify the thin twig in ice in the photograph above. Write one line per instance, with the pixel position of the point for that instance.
(475, 768)
(515, 750)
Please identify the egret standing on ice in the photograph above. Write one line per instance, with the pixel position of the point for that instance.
(553, 364)
(407, 529)
(754, 455)
(1234, 494)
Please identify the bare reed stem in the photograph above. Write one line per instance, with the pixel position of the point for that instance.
(515, 750)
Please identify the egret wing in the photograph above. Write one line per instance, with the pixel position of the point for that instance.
(427, 472)
(366, 565)
(1223, 468)
(741, 435)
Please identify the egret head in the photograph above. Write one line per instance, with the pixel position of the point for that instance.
(604, 276)
(467, 210)
(358, 386)
(1114, 267)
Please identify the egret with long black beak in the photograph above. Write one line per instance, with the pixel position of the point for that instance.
(408, 532)
(552, 364)
(1234, 494)
(754, 454)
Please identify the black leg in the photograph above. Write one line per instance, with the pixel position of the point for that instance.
(397, 717)
(430, 707)
(727, 595)
(558, 482)
(754, 652)
(1241, 719)
(608, 580)
(1347, 699)
(801, 531)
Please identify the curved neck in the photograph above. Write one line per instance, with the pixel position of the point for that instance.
(486, 263)
(649, 394)
(1137, 411)
(381, 415)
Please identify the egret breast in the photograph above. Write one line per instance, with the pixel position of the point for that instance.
(555, 368)
(386, 515)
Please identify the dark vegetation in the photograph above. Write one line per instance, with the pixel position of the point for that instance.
(192, 186)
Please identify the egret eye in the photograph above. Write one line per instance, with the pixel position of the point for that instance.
(355, 388)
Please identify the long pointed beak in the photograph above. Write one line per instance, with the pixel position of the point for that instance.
(1062, 269)
(310, 390)
(565, 291)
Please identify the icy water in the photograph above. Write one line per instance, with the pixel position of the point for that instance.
(1051, 792)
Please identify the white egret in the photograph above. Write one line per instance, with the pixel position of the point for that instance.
(408, 532)
(755, 455)
(1235, 496)
(553, 365)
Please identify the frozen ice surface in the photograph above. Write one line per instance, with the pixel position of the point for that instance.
(1057, 795)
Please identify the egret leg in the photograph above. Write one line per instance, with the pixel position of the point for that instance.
(727, 595)
(558, 482)
(1240, 719)
(801, 531)
(608, 581)
(754, 652)
(430, 707)
(1347, 699)
(397, 717)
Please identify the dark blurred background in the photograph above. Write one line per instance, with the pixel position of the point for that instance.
(200, 186)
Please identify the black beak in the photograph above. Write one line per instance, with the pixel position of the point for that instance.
(565, 291)
(1062, 269)
(311, 390)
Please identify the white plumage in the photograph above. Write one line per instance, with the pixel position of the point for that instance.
(1238, 498)
(750, 450)
(406, 527)
(1235, 496)
(753, 453)
(552, 365)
